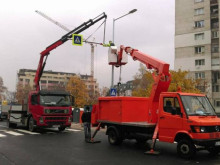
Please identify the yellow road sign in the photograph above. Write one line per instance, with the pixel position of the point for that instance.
(77, 39)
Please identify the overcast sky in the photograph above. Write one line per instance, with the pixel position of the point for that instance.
(24, 34)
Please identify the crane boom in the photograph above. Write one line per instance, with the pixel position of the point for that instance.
(52, 20)
(59, 42)
(162, 77)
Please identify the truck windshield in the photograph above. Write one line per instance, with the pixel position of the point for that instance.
(197, 106)
(55, 100)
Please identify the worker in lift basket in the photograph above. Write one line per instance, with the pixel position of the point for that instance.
(86, 119)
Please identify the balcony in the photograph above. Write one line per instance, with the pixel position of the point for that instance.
(214, 11)
(213, 2)
(214, 23)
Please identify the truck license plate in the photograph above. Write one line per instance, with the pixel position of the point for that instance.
(217, 143)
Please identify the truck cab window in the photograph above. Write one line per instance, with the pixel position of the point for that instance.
(171, 105)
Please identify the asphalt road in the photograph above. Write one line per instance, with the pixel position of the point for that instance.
(50, 147)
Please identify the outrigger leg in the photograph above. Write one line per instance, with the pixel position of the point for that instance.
(154, 139)
(94, 134)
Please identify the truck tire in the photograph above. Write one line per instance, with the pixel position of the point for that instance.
(31, 126)
(61, 128)
(113, 138)
(186, 149)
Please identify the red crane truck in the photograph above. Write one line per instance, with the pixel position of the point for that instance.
(186, 118)
(48, 108)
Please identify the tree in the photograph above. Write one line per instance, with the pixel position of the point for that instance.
(180, 80)
(78, 89)
(143, 82)
(3, 89)
(93, 96)
(22, 92)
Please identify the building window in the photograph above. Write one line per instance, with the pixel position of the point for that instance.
(43, 81)
(214, 23)
(215, 76)
(27, 81)
(199, 36)
(217, 103)
(199, 49)
(196, 1)
(215, 48)
(199, 11)
(213, 2)
(201, 88)
(215, 88)
(200, 62)
(53, 82)
(200, 75)
(215, 34)
(214, 9)
(199, 24)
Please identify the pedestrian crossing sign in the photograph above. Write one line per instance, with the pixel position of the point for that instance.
(113, 92)
(77, 39)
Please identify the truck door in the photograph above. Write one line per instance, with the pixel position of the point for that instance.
(170, 119)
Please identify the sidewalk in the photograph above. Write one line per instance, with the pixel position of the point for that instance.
(78, 126)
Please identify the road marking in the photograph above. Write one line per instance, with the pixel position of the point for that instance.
(25, 131)
(1, 135)
(73, 130)
(13, 133)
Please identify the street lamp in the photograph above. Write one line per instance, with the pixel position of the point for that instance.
(113, 38)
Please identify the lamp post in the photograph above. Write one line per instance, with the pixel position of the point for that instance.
(113, 39)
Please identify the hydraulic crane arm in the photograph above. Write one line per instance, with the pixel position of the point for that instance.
(63, 39)
(161, 77)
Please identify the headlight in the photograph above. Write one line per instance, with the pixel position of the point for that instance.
(46, 111)
(217, 128)
(41, 120)
(198, 129)
(202, 129)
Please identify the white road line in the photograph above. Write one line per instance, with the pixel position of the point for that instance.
(73, 130)
(1, 135)
(28, 132)
(13, 133)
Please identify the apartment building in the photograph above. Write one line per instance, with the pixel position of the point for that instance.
(197, 44)
(51, 80)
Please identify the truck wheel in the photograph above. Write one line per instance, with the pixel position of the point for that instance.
(186, 149)
(61, 128)
(113, 138)
(31, 126)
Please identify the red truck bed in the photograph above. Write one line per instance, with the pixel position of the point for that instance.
(124, 110)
